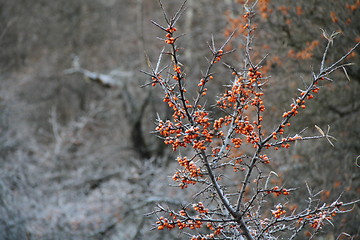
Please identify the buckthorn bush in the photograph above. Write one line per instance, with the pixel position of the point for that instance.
(236, 205)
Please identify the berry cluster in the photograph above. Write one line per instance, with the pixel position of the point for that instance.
(278, 191)
(189, 174)
(279, 212)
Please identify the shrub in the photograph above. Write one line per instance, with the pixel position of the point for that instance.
(228, 143)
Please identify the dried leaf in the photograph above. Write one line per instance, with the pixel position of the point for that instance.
(327, 138)
(326, 36)
(320, 130)
(331, 37)
(346, 74)
(357, 161)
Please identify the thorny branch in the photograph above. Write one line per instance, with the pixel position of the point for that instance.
(192, 126)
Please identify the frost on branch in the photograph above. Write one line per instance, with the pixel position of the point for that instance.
(236, 139)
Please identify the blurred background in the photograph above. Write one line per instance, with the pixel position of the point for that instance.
(77, 156)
